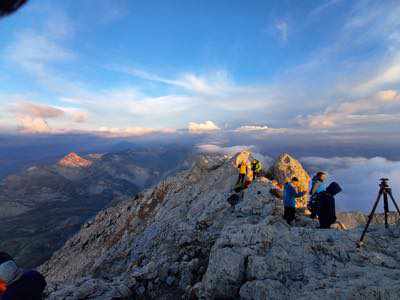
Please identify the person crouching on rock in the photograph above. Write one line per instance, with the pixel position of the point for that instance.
(290, 194)
(327, 212)
(16, 284)
(242, 172)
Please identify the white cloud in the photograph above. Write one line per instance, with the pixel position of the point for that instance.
(33, 51)
(383, 107)
(358, 177)
(247, 128)
(261, 130)
(29, 124)
(207, 126)
(37, 110)
(132, 131)
(387, 75)
(75, 114)
(33, 117)
(132, 107)
(215, 83)
(323, 7)
(282, 27)
(389, 95)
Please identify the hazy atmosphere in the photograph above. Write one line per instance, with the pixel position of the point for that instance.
(316, 79)
(199, 149)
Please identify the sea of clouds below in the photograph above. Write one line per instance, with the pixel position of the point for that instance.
(359, 179)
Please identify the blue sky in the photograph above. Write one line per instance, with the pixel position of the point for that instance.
(140, 67)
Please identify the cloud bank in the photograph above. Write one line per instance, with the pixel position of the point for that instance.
(34, 118)
(359, 179)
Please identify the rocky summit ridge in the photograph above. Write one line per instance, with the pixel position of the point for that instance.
(73, 160)
(182, 240)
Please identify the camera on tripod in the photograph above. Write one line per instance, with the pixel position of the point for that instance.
(384, 183)
(385, 192)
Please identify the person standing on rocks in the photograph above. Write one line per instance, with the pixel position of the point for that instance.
(290, 194)
(17, 284)
(242, 172)
(327, 214)
(317, 186)
(256, 167)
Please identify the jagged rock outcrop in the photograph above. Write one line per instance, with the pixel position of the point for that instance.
(182, 239)
(73, 160)
(285, 168)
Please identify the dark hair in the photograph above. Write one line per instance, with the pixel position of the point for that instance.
(320, 174)
(295, 179)
(5, 257)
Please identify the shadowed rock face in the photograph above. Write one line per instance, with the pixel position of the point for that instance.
(285, 168)
(182, 239)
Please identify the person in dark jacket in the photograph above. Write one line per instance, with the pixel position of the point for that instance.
(317, 187)
(290, 194)
(17, 284)
(327, 213)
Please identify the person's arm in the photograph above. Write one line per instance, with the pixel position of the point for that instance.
(293, 193)
(299, 194)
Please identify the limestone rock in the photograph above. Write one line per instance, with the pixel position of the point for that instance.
(285, 168)
(181, 239)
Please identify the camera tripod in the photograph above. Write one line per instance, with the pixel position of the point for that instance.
(386, 192)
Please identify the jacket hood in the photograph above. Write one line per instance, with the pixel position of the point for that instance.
(334, 188)
(10, 272)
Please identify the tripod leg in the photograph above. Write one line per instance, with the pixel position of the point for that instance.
(371, 215)
(394, 202)
(385, 207)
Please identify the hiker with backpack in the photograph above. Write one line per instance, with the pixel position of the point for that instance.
(256, 167)
(17, 284)
(290, 194)
(317, 186)
(327, 212)
(242, 172)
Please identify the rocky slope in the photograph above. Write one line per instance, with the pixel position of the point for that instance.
(43, 206)
(182, 239)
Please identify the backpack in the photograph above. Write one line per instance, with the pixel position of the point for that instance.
(233, 199)
(314, 202)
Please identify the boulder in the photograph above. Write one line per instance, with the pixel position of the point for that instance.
(285, 168)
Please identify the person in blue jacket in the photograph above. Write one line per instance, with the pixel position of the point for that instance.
(290, 194)
(317, 186)
(18, 284)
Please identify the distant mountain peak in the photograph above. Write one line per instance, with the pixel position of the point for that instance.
(73, 160)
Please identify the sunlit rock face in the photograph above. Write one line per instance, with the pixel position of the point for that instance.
(285, 168)
(73, 160)
(182, 239)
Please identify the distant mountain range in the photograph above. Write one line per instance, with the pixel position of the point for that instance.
(41, 207)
